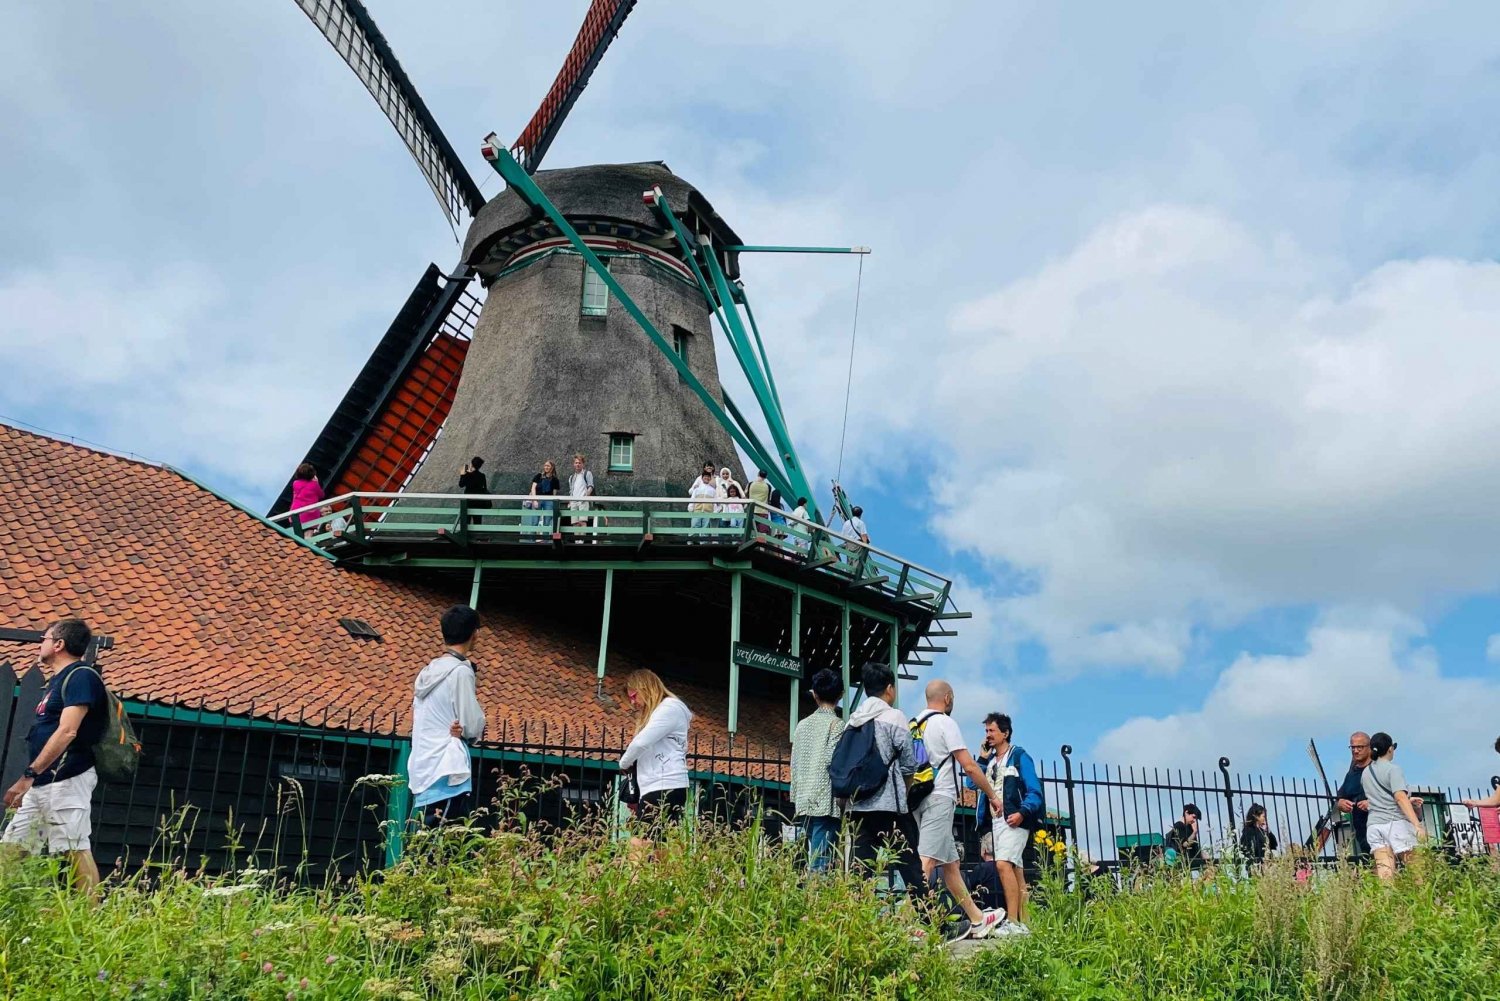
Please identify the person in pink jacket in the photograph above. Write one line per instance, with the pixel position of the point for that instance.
(306, 490)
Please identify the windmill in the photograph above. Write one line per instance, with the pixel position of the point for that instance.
(595, 336)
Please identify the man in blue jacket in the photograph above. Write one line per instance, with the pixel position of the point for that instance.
(1013, 774)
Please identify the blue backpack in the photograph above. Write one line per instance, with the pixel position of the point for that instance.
(857, 770)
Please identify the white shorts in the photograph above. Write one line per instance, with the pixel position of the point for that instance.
(1397, 835)
(57, 816)
(1009, 842)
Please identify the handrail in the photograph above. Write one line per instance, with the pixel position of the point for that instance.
(604, 501)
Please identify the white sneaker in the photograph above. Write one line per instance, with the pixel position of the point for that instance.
(989, 923)
(1015, 928)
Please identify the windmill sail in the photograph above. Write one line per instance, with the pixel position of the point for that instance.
(600, 26)
(352, 33)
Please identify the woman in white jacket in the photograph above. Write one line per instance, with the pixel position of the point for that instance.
(658, 751)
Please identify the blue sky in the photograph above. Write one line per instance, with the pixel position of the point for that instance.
(1176, 343)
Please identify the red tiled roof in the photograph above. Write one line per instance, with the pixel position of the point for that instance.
(207, 603)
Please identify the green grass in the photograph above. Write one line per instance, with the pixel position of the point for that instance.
(720, 914)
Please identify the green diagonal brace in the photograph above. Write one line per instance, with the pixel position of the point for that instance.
(739, 340)
(779, 433)
(765, 362)
(523, 185)
(756, 369)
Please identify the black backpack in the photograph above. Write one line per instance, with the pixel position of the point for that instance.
(856, 769)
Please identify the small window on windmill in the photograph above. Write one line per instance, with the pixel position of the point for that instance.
(621, 453)
(681, 339)
(595, 292)
(360, 629)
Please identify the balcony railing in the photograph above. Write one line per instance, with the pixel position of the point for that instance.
(349, 523)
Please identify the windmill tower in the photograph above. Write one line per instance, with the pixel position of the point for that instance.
(556, 367)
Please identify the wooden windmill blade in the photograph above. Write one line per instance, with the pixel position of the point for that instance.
(353, 34)
(600, 26)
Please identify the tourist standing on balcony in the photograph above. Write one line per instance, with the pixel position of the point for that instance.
(580, 486)
(1394, 827)
(543, 485)
(306, 491)
(1015, 815)
(702, 493)
(812, 749)
(445, 718)
(857, 525)
(53, 796)
(759, 491)
(734, 513)
(472, 481)
(1352, 795)
(658, 751)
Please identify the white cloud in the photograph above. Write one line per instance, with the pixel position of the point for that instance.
(1360, 671)
(1181, 422)
(1492, 648)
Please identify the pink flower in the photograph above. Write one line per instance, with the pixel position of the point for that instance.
(330, 960)
(280, 977)
(267, 967)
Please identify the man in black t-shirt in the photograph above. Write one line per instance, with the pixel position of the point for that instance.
(1352, 794)
(53, 796)
(472, 481)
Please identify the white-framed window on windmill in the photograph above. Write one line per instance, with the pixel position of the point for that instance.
(595, 292)
(682, 340)
(621, 452)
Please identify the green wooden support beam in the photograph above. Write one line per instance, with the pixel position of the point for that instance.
(609, 593)
(894, 651)
(474, 587)
(765, 362)
(398, 807)
(796, 652)
(844, 658)
(523, 185)
(736, 587)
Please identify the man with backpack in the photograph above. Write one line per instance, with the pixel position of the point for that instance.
(941, 754)
(1016, 812)
(869, 769)
(53, 797)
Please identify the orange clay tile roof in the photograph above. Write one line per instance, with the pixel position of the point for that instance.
(207, 603)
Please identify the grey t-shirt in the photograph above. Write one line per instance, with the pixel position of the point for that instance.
(1381, 781)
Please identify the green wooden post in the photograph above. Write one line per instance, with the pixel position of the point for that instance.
(474, 588)
(398, 806)
(895, 658)
(844, 647)
(796, 650)
(609, 593)
(736, 585)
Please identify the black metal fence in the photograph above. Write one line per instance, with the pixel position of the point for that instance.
(214, 790)
(1118, 815)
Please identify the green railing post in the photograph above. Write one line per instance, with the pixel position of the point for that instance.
(474, 587)
(357, 520)
(398, 806)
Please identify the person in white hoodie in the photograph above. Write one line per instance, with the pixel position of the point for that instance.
(658, 751)
(445, 718)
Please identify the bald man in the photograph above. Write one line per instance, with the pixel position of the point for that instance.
(934, 815)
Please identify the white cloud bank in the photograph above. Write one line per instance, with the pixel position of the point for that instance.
(1180, 423)
(1360, 670)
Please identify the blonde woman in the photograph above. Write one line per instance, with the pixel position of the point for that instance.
(543, 484)
(658, 751)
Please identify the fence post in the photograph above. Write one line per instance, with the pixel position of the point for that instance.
(398, 805)
(1228, 793)
(357, 521)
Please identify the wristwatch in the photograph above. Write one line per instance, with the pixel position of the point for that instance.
(28, 773)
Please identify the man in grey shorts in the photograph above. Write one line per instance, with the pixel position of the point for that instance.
(934, 815)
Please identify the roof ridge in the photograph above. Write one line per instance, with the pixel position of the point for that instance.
(82, 444)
